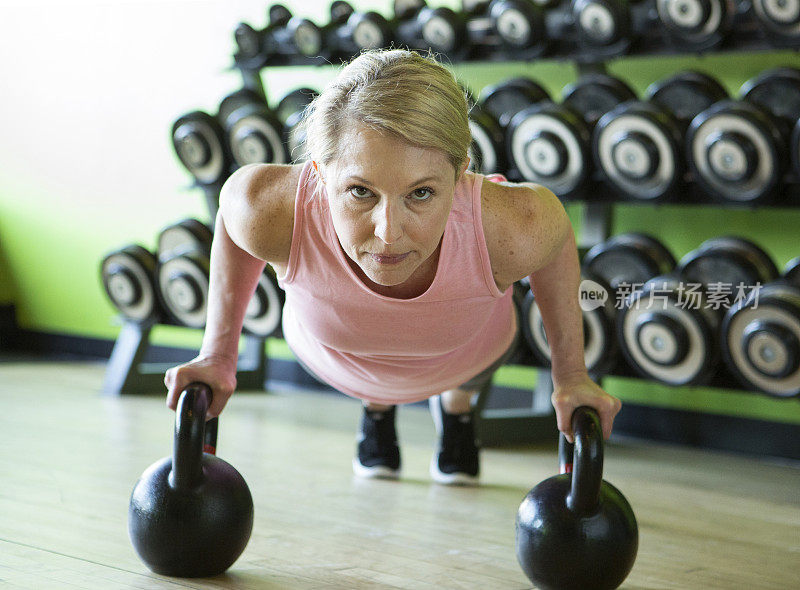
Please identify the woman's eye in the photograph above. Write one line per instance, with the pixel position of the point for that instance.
(359, 192)
(422, 194)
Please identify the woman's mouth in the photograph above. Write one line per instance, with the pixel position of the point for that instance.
(389, 258)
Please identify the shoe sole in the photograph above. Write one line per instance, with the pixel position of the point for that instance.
(376, 472)
(451, 479)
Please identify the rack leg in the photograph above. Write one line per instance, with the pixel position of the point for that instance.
(126, 373)
(518, 425)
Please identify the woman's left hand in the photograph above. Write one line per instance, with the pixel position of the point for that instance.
(579, 390)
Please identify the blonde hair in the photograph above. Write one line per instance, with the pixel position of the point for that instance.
(396, 91)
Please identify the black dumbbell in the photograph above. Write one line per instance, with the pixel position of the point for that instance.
(520, 28)
(504, 100)
(128, 275)
(252, 131)
(738, 151)
(695, 25)
(348, 32)
(182, 271)
(263, 314)
(761, 336)
(593, 95)
(285, 37)
(548, 144)
(727, 267)
(659, 338)
(669, 330)
(604, 28)
(778, 92)
(551, 143)
(665, 339)
(199, 143)
(290, 111)
(795, 150)
(599, 343)
(626, 261)
(791, 272)
(480, 34)
(779, 21)
(638, 145)
(489, 118)
(420, 27)
(486, 151)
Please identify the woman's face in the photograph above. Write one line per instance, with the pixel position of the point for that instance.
(389, 201)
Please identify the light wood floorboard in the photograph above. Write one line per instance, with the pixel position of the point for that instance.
(70, 457)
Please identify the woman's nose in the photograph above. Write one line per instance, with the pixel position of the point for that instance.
(388, 219)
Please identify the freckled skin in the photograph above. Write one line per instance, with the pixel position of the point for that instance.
(389, 202)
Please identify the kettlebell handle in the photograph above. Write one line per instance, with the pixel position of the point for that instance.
(192, 436)
(584, 459)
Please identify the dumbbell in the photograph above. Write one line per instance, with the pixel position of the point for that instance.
(593, 95)
(285, 37)
(550, 143)
(199, 143)
(599, 344)
(348, 32)
(502, 102)
(604, 28)
(795, 150)
(620, 266)
(669, 330)
(420, 27)
(182, 271)
(290, 112)
(638, 146)
(252, 131)
(517, 26)
(263, 314)
(779, 21)
(128, 276)
(761, 336)
(695, 25)
(777, 91)
(659, 339)
(182, 276)
(489, 118)
(486, 151)
(791, 271)
(738, 150)
(728, 261)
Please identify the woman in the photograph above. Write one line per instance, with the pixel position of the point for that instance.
(397, 263)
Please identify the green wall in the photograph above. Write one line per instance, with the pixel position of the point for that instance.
(87, 165)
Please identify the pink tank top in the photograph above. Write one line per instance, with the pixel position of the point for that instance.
(388, 350)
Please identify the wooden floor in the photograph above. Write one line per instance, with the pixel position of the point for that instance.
(70, 457)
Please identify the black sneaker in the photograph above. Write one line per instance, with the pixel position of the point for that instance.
(456, 462)
(378, 455)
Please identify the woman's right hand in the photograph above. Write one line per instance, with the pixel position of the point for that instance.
(218, 372)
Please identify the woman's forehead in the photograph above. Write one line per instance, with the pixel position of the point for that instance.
(366, 152)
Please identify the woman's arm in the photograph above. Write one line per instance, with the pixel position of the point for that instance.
(253, 226)
(529, 234)
(555, 286)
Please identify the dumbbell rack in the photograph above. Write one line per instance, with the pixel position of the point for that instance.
(537, 422)
(128, 372)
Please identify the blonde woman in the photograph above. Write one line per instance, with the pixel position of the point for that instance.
(397, 263)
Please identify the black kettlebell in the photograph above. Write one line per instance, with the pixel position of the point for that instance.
(191, 514)
(575, 530)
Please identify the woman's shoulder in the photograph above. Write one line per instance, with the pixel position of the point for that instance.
(264, 184)
(524, 225)
(257, 206)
